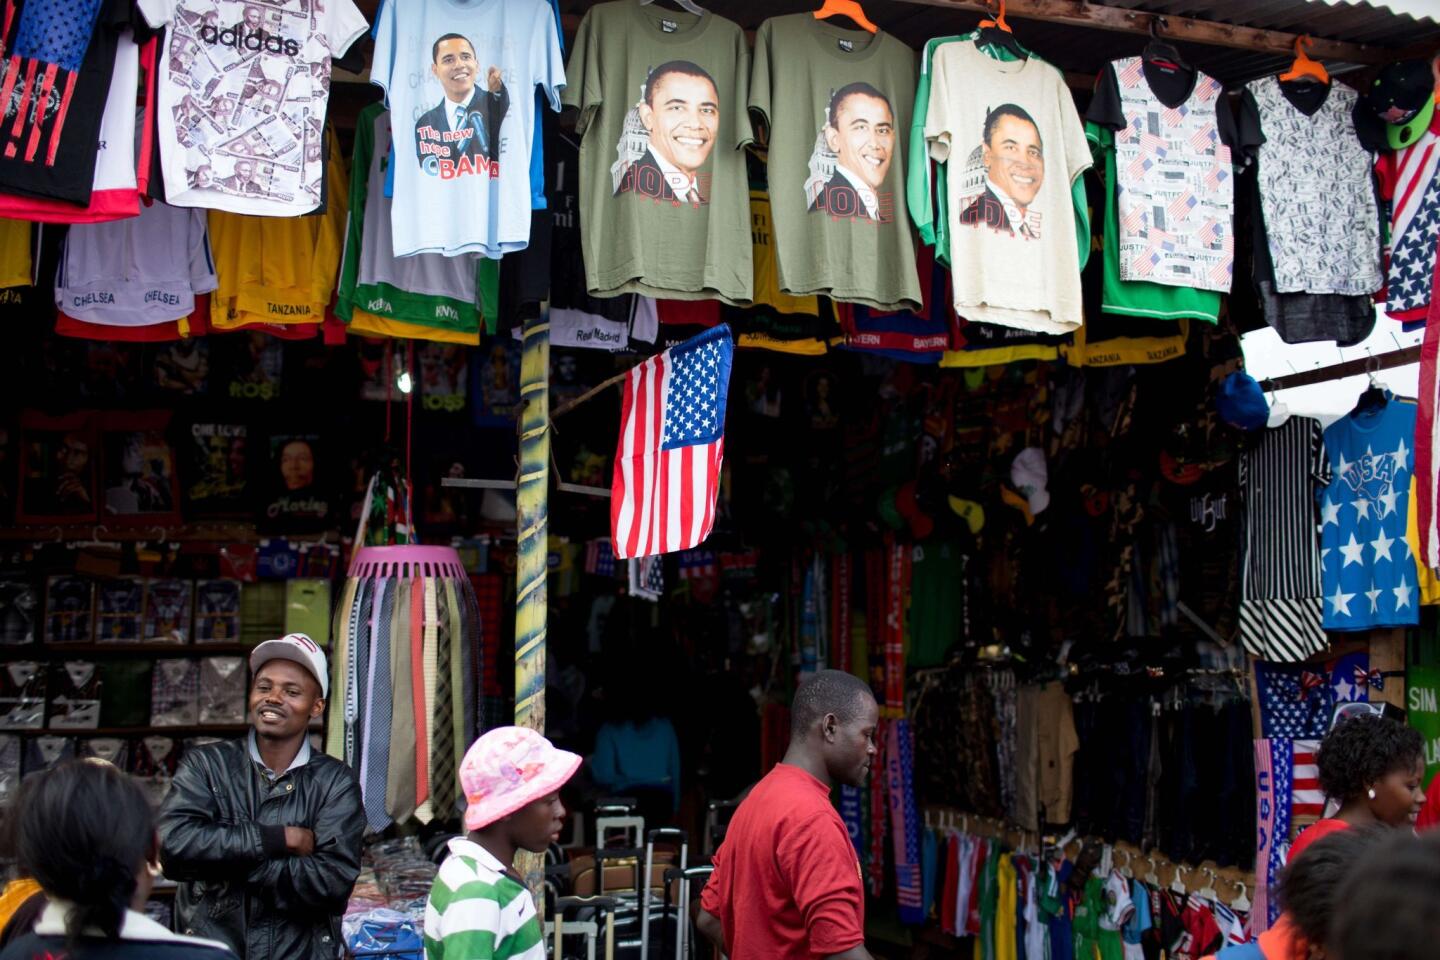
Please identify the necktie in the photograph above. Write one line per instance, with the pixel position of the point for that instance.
(425, 755)
(400, 775)
(457, 674)
(340, 691)
(459, 118)
(377, 723)
(442, 740)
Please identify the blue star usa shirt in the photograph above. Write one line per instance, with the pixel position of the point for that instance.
(1367, 567)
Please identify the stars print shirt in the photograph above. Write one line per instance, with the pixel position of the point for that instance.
(1367, 566)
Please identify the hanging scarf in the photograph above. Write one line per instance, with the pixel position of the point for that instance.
(897, 590)
(1274, 762)
(875, 862)
(904, 830)
(852, 812)
(840, 613)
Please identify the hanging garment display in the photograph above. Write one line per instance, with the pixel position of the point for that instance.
(22, 695)
(1175, 199)
(428, 288)
(1367, 568)
(1410, 180)
(143, 270)
(53, 153)
(1316, 194)
(664, 203)
(461, 74)
(279, 270)
(222, 690)
(175, 693)
(406, 671)
(1019, 148)
(1281, 607)
(1137, 298)
(242, 97)
(121, 158)
(834, 102)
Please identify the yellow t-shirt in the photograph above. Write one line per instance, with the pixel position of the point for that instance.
(280, 269)
(371, 325)
(15, 266)
(767, 271)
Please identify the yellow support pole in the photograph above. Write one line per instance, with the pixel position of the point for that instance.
(532, 507)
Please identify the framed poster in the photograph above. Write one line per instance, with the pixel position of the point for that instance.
(57, 469)
(140, 482)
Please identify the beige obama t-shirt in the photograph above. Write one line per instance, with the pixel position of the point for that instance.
(1015, 145)
(663, 190)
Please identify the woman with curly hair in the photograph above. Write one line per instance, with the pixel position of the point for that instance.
(1373, 768)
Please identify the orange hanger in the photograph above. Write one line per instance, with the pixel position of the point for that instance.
(846, 8)
(998, 22)
(1304, 66)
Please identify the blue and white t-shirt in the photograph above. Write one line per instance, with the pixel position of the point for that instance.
(458, 76)
(1367, 567)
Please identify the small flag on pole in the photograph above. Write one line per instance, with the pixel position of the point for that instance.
(672, 440)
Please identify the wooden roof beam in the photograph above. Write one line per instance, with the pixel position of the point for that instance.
(1123, 20)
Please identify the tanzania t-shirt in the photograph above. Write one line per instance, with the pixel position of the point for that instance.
(1019, 147)
(666, 201)
(835, 101)
(458, 76)
(243, 90)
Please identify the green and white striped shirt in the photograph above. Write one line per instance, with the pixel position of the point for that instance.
(477, 912)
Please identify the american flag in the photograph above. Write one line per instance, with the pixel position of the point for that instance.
(1307, 799)
(1181, 206)
(672, 440)
(1217, 175)
(1203, 137)
(1158, 146)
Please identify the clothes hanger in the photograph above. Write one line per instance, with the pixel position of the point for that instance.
(1241, 904)
(689, 6)
(1279, 412)
(1177, 882)
(1375, 396)
(846, 8)
(1304, 68)
(997, 33)
(1161, 52)
(1207, 892)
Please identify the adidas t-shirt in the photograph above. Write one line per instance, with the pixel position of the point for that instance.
(243, 91)
(142, 270)
(458, 76)
(428, 288)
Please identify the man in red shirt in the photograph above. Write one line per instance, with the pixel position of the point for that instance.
(787, 882)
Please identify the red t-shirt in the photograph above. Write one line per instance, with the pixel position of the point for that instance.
(787, 882)
(1314, 832)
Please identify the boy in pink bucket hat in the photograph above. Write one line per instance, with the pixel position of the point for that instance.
(478, 905)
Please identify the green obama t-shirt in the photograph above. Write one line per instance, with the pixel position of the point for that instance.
(836, 103)
(663, 189)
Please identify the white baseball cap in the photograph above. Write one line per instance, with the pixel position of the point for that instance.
(299, 648)
(1029, 476)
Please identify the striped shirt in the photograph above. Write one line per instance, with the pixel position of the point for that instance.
(478, 912)
(1281, 609)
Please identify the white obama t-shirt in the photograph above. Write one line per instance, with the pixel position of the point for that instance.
(462, 143)
(243, 88)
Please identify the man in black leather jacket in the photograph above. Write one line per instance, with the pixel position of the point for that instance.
(263, 834)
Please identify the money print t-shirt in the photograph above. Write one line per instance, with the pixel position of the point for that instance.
(459, 76)
(664, 195)
(243, 91)
(834, 101)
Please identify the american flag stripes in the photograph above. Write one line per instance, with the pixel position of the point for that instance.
(672, 441)
(1308, 800)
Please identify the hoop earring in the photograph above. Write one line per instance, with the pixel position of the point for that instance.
(1371, 793)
